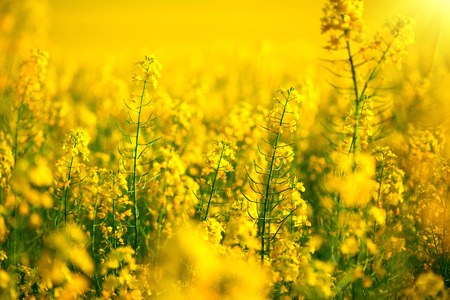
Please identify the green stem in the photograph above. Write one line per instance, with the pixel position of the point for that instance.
(213, 185)
(267, 192)
(19, 117)
(114, 223)
(379, 196)
(292, 217)
(338, 228)
(93, 227)
(355, 140)
(15, 230)
(134, 174)
(114, 212)
(200, 210)
(444, 245)
(93, 240)
(160, 228)
(66, 191)
(359, 98)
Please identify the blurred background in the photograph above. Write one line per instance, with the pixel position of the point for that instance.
(100, 29)
(112, 26)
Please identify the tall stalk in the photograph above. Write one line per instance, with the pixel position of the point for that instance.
(16, 131)
(97, 284)
(75, 144)
(219, 162)
(273, 185)
(267, 193)
(211, 194)
(135, 161)
(136, 153)
(66, 190)
(354, 146)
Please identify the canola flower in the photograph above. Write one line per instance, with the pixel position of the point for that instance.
(72, 171)
(135, 147)
(30, 99)
(343, 21)
(217, 162)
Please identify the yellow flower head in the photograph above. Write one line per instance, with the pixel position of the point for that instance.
(76, 142)
(342, 19)
(150, 68)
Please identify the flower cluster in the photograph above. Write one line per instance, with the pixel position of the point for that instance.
(6, 162)
(285, 113)
(402, 35)
(343, 21)
(32, 76)
(76, 143)
(112, 209)
(124, 279)
(150, 68)
(390, 177)
(65, 267)
(71, 171)
(29, 105)
(219, 159)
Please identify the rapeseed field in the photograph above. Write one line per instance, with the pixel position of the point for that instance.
(238, 150)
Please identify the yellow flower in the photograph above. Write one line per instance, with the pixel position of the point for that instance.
(428, 285)
(150, 68)
(350, 246)
(76, 142)
(378, 214)
(41, 175)
(3, 230)
(342, 19)
(4, 279)
(35, 220)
